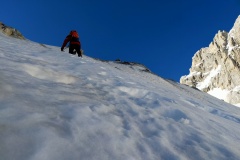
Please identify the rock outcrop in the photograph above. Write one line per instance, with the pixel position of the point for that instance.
(9, 31)
(216, 69)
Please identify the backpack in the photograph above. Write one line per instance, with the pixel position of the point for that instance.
(74, 34)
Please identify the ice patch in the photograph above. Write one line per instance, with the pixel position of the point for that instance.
(133, 91)
(103, 73)
(48, 74)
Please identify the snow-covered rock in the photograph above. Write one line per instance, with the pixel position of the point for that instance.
(9, 31)
(217, 67)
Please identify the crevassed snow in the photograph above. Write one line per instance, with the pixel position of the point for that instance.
(55, 106)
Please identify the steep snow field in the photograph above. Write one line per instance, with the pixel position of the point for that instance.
(56, 106)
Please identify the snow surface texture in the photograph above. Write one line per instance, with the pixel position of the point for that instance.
(56, 106)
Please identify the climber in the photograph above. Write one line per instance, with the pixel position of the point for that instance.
(75, 45)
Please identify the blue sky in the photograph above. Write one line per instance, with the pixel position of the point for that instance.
(163, 35)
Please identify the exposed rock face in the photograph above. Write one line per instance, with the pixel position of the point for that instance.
(9, 31)
(216, 69)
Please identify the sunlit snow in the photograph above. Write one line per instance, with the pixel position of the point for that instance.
(56, 106)
(219, 93)
(207, 80)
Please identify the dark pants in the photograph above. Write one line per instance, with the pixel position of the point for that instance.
(74, 48)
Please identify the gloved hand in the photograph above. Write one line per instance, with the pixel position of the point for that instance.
(62, 48)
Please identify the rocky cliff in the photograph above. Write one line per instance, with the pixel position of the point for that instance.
(216, 69)
(9, 31)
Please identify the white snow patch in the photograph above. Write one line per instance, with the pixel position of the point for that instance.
(238, 105)
(219, 93)
(236, 89)
(208, 79)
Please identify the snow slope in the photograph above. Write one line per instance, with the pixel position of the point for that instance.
(55, 106)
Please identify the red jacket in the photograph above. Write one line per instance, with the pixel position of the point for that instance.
(73, 40)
